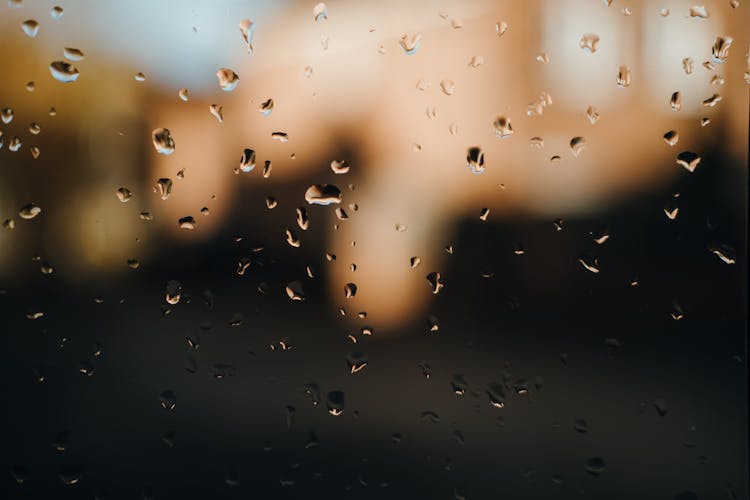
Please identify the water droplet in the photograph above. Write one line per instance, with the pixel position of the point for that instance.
(434, 280)
(247, 161)
(475, 160)
(73, 54)
(280, 136)
(429, 416)
(323, 194)
(484, 214)
(448, 87)
(687, 65)
(163, 187)
(500, 28)
(671, 137)
(503, 128)
(350, 290)
(623, 76)
(173, 292)
(320, 12)
(543, 58)
(356, 361)
(267, 169)
(70, 475)
(30, 27)
(589, 42)
(712, 101)
(228, 79)
(139, 77)
(577, 145)
(247, 28)
(217, 111)
(590, 263)
(187, 222)
(660, 404)
(29, 211)
(476, 61)
(294, 291)
(6, 115)
(595, 466)
(676, 101)
(56, 12)
(34, 128)
(168, 400)
(291, 236)
(63, 71)
(146, 216)
(163, 142)
(184, 94)
(664, 12)
(415, 261)
(266, 107)
(581, 426)
(496, 394)
(724, 252)
(671, 212)
(688, 160)
(699, 11)
(124, 194)
(307, 71)
(410, 42)
(335, 403)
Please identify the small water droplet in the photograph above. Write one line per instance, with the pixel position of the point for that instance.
(56, 12)
(266, 107)
(415, 261)
(335, 402)
(500, 28)
(217, 111)
(671, 137)
(676, 101)
(435, 281)
(543, 58)
(496, 394)
(699, 11)
(687, 65)
(724, 252)
(184, 94)
(29, 211)
(595, 466)
(320, 12)
(503, 128)
(323, 194)
(429, 416)
(476, 61)
(247, 28)
(187, 222)
(589, 42)
(163, 142)
(712, 101)
(173, 292)
(475, 160)
(139, 77)
(63, 71)
(590, 263)
(340, 166)
(73, 54)
(577, 145)
(6, 115)
(163, 187)
(410, 42)
(168, 400)
(623, 76)
(30, 27)
(688, 160)
(356, 361)
(247, 161)
(664, 12)
(448, 87)
(124, 194)
(294, 291)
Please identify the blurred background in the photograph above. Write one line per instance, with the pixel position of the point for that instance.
(173, 319)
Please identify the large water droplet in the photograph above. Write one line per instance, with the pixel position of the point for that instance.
(323, 194)
(163, 142)
(228, 79)
(63, 71)
(30, 27)
(320, 12)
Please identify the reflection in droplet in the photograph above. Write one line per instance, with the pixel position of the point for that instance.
(63, 71)
(410, 42)
(475, 160)
(163, 142)
(30, 27)
(323, 194)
